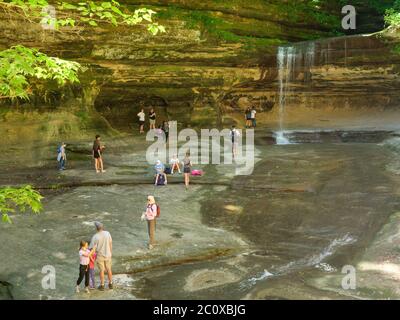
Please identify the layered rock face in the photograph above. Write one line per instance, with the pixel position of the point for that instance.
(352, 79)
(217, 58)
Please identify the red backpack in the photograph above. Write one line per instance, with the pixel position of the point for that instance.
(158, 210)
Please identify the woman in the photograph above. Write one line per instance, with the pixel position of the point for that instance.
(248, 117)
(97, 150)
(187, 167)
(175, 164)
(165, 128)
(142, 118)
(152, 119)
(150, 216)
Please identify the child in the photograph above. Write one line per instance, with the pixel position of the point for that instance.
(84, 258)
(175, 164)
(92, 282)
(61, 156)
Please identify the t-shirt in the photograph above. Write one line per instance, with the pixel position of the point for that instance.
(253, 114)
(174, 161)
(187, 163)
(151, 211)
(96, 145)
(234, 135)
(159, 168)
(92, 260)
(84, 257)
(102, 240)
(141, 116)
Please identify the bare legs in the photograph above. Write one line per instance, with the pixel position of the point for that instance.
(98, 163)
(175, 166)
(109, 275)
(187, 180)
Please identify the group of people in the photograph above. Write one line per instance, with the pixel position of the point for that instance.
(250, 116)
(175, 165)
(162, 128)
(99, 251)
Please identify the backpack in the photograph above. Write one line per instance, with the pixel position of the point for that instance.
(158, 210)
(59, 149)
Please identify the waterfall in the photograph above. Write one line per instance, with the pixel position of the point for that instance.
(290, 61)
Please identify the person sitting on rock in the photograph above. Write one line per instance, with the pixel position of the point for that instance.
(175, 164)
(160, 171)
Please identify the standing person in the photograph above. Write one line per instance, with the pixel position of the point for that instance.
(150, 215)
(61, 156)
(84, 256)
(234, 136)
(253, 113)
(187, 167)
(152, 119)
(142, 118)
(247, 116)
(97, 155)
(165, 128)
(102, 245)
(92, 260)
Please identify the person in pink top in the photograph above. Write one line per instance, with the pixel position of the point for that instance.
(92, 282)
(150, 215)
(84, 260)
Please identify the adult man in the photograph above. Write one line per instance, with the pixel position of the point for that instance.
(102, 244)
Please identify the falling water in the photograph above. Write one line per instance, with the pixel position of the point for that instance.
(291, 60)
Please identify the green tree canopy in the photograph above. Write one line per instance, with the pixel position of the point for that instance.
(21, 199)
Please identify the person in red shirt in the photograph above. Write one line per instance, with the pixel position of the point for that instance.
(92, 282)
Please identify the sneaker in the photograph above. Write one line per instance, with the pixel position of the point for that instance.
(77, 289)
(87, 289)
(101, 287)
(151, 246)
(110, 286)
(92, 288)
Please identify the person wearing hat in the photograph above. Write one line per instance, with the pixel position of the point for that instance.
(102, 245)
(160, 171)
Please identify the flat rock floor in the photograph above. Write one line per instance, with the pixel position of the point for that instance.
(283, 232)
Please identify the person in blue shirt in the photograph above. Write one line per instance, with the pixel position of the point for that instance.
(160, 170)
(61, 156)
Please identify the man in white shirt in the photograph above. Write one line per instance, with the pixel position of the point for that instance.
(142, 117)
(253, 117)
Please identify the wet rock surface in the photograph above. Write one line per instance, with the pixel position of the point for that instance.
(304, 213)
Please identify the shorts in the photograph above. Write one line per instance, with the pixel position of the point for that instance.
(141, 122)
(152, 122)
(96, 154)
(104, 263)
(186, 170)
